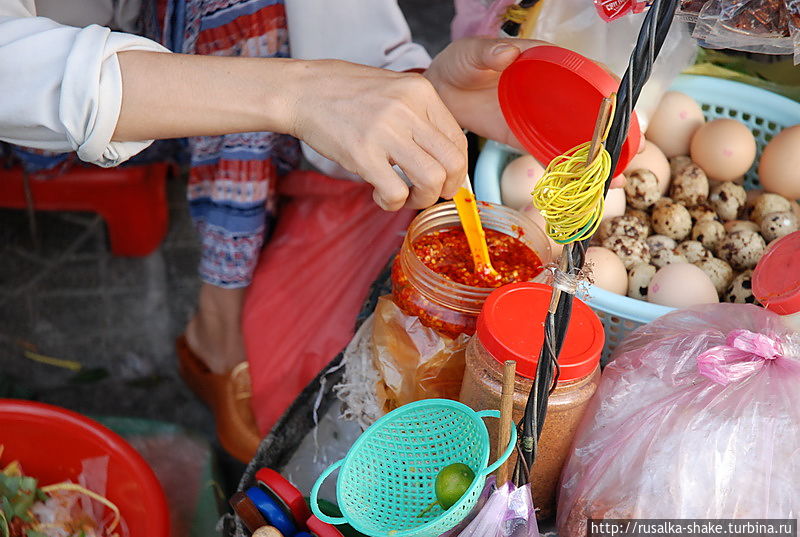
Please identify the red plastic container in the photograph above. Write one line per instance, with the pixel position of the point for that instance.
(550, 97)
(51, 442)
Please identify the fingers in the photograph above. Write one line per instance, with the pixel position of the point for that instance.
(391, 191)
(445, 141)
(425, 172)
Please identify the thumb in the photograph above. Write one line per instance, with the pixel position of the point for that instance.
(497, 56)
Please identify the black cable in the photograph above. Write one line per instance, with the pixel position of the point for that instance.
(651, 38)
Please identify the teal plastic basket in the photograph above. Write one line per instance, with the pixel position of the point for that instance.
(387, 480)
(766, 114)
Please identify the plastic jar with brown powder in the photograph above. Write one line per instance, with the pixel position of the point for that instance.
(510, 327)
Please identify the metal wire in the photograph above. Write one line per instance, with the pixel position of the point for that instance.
(651, 37)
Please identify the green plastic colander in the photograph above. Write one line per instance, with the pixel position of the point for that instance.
(387, 478)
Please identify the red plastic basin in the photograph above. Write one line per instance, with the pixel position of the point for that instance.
(51, 442)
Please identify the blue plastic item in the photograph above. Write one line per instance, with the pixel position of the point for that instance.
(388, 477)
(766, 114)
(272, 512)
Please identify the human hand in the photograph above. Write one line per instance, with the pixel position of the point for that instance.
(369, 119)
(466, 75)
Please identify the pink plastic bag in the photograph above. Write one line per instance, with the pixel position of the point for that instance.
(311, 281)
(697, 417)
(504, 512)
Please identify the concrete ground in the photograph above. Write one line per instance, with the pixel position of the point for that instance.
(68, 298)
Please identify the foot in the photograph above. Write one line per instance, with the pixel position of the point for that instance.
(215, 332)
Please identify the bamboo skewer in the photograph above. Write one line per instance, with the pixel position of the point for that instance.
(506, 417)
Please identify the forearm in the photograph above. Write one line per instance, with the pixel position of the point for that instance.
(177, 95)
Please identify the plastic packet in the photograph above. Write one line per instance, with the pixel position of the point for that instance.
(689, 10)
(693, 406)
(504, 512)
(758, 26)
(610, 10)
(576, 25)
(793, 11)
(413, 361)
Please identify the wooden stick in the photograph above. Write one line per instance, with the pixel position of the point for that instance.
(600, 126)
(506, 416)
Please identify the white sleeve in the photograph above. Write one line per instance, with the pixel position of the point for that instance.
(369, 32)
(61, 86)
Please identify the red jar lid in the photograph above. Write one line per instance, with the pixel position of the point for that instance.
(511, 327)
(550, 97)
(776, 279)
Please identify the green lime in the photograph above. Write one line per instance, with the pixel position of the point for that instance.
(452, 483)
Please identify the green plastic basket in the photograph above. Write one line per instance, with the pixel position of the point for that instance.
(387, 478)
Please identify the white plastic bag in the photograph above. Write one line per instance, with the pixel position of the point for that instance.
(577, 25)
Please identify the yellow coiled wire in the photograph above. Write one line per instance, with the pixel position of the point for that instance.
(570, 194)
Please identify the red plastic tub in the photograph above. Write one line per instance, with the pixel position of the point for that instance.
(51, 442)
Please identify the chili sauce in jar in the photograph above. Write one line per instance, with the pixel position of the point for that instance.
(434, 277)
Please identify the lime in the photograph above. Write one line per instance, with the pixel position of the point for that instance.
(452, 483)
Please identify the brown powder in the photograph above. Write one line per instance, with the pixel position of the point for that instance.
(481, 391)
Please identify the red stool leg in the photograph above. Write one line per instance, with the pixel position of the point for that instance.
(132, 201)
(137, 216)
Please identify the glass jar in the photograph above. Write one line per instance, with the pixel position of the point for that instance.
(448, 307)
(510, 328)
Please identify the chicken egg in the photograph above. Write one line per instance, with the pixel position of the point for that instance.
(615, 203)
(518, 180)
(724, 148)
(681, 285)
(675, 122)
(779, 170)
(608, 270)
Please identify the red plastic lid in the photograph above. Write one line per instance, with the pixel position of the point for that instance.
(776, 279)
(510, 327)
(550, 97)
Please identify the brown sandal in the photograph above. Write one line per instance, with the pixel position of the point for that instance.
(228, 396)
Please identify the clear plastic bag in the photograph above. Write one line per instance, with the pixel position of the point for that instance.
(695, 406)
(413, 361)
(504, 512)
(576, 25)
(758, 26)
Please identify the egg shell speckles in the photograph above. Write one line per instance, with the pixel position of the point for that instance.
(728, 200)
(741, 289)
(623, 226)
(777, 225)
(639, 279)
(720, 273)
(631, 251)
(693, 251)
(672, 220)
(689, 186)
(665, 256)
(703, 212)
(709, 233)
(641, 189)
(642, 216)
(660, 242)
(742, 249)
(769, 203)
(741, 225)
